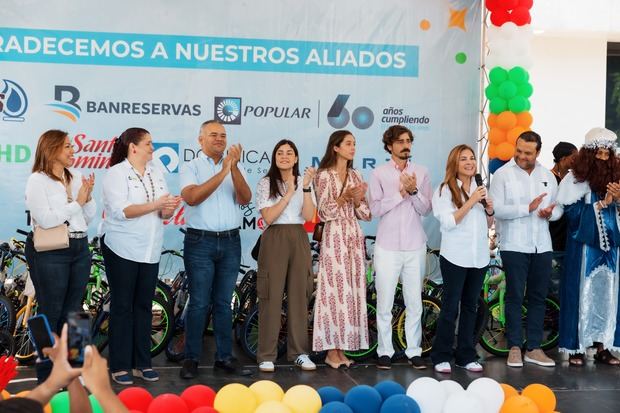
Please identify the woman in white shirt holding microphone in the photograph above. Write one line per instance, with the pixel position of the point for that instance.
(136, 202)
(465, 213)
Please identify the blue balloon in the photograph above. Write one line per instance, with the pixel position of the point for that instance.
(495, 164)
(330, 394)
(363, 399)
(335, 407)
(388, 388)
(400, 403)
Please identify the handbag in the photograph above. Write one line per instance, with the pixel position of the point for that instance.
(317, 235)
(55, 238)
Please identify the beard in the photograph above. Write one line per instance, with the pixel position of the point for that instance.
(405, 155)
(600, 174)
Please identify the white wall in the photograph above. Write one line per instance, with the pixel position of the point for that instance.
(569, 79)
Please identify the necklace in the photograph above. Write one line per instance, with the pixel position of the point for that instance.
(148, 196)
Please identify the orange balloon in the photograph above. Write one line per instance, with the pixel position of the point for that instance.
(505, 151)
(497, 136)
(492, 151)
(513, 135)
(47, 408)
(5, 394)
(22, 393)
(541, 395)
(524, 119)
(509, 391)
(506, 120)
(492, 120)
(519, 404)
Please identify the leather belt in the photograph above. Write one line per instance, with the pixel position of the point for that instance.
(217, 234)
(78, 235)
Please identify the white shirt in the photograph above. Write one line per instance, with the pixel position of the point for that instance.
(292, 213)
(47, 201)
(137, 239)
(465, 244)
(512, 190)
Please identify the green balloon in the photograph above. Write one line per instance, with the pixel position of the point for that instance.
(498, 105)
(525, 90)
(94, 404)
(498, 75)
(517, 104)
(528, 105)
(507, 89)
(60, 402)
(460, 58)
(491, 92)
(518, 75)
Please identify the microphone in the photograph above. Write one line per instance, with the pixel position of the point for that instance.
(479, 182)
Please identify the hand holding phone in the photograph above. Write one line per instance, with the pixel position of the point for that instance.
(79, 336)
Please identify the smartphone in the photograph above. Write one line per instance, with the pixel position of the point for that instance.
(40, 333)
(79, 336)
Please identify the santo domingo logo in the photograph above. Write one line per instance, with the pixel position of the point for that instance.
(13, 101)
(338, 116)
(66, 102)
(228, 110)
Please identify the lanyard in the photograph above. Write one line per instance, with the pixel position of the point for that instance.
(148, 198)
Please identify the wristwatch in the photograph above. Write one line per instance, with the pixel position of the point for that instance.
(307, 189)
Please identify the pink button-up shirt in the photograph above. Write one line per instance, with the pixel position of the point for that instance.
(400, 218)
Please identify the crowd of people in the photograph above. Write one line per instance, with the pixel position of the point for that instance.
(579, 196)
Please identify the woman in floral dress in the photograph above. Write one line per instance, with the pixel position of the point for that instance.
(340, 321)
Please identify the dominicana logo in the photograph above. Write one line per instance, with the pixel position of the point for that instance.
(68, 108)
(228, 110)
(166, 156)
(13, 101)
(338, 116)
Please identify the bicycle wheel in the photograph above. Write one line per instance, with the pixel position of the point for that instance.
(551, 323)
(164, 291)
(175, 350)
(363, 354)
(482, 317)
(162, 324)
(249, 336)
(24, 347)
(493, 338)
(430, 314)
(7, 314)
(7, 344)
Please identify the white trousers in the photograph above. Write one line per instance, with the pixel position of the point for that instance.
(409, 266)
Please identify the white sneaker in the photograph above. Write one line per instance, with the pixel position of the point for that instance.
(305, 363)
(267, 367)
(474, 367)
(443, 368)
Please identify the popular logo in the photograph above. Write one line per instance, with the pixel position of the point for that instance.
(13, 101)
(228, 110)
(166, 156)
(69, 107)
(338, 116)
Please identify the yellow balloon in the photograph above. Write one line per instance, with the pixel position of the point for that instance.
(235, 398)
(5, 394)
(302, 399)
(273, 407)
(266, 390)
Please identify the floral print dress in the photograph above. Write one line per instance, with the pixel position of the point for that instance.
(340, 320)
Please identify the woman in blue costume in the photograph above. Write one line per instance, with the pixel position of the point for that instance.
(590, 196)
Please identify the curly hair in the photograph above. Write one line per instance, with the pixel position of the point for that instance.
(596, 172)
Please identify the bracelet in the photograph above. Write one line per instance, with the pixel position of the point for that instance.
(307, 189)
(412, 193)
(489, 215)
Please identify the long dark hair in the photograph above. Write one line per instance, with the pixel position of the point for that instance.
(330, 157)
(598, 173)
(50, 143)
(121, 144)
(274, 175)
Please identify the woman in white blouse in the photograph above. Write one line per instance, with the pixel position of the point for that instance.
(465, 213)
(56, 195)
(136, 202)
(285, 203)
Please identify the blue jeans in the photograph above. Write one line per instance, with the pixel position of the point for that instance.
(212, 264)
(59, 279)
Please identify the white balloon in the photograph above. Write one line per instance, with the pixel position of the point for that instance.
(489, 391)
(463, 402)
(451, 386)
(428, 393)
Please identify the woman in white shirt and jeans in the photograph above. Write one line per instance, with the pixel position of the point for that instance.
(56, 194)
(136, 202)
(285, 203)
(465, 213)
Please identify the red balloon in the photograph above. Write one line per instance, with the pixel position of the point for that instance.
(499, 17)
(520, 16)
(204, 409)
(136, 398)
(168, 403)
(198, 396)
(526, 3)
(508, 4)
(493, 5)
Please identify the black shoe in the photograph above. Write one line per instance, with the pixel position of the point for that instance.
(384, 363)
(231, 366)
(417, 362)
(189, 370)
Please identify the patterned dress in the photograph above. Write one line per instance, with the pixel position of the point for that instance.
(340, 320)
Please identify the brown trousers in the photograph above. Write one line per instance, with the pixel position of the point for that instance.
(284, 260)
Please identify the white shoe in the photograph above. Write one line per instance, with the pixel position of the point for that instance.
(267, 367)
(474, 367)
(443, 368)
(305, 363)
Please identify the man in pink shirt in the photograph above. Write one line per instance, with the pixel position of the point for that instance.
(400, 195)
